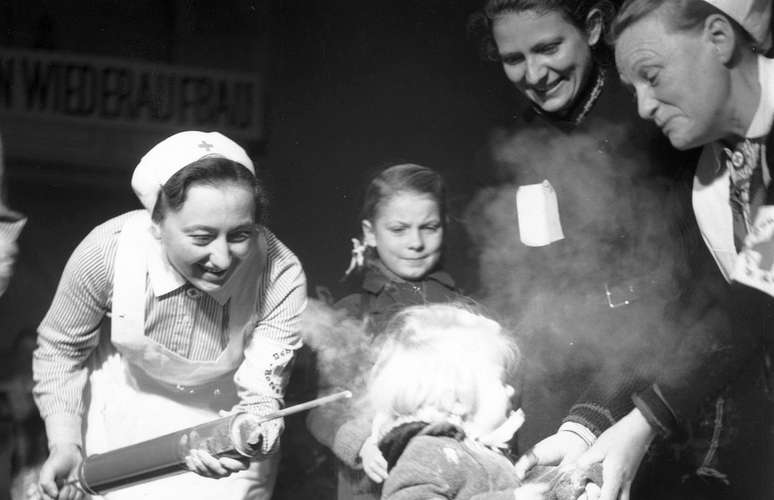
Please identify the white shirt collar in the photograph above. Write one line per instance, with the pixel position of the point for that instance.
(162, 276)
(764, 115)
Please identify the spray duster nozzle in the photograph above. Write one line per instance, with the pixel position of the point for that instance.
(238, 436)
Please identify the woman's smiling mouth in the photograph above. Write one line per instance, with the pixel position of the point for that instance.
(544, 90)
(217, 274)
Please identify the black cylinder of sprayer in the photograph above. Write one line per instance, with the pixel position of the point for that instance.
(160, 456)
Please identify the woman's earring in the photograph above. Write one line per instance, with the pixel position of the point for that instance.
(594, 26)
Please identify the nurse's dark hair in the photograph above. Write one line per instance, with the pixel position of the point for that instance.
(405, 177)
(574, 11)
(680, 15)
(209, 171)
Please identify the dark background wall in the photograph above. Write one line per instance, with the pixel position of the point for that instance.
(352, 88)
(349, 86)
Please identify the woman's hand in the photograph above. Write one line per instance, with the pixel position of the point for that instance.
(620, 449)
(265, 438)
(204, 464)
(374, 464)
(61, 466)
(559, 449)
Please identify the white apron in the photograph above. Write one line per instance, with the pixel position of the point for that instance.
(128, 399)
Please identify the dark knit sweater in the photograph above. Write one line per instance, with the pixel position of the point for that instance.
(608, 290)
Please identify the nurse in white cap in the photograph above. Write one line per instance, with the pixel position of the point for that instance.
(165, 317)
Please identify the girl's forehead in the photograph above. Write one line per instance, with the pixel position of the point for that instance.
(406, 200)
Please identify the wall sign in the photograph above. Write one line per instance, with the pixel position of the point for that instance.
(111, 91)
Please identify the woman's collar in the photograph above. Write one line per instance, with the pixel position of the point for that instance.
(162, 277)
(394, 438)
(498, 438)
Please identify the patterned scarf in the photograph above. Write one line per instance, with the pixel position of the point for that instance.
(747, 186)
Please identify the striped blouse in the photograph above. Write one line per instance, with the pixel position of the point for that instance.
(183, 319)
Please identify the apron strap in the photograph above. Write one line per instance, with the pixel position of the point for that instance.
(129, 280)
(133, 256)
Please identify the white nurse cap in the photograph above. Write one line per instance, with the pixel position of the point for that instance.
(753, 15)
(174, 153)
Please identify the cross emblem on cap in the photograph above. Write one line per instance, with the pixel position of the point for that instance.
(206, 145)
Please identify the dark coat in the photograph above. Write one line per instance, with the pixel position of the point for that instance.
(449, 467)
(377, 297)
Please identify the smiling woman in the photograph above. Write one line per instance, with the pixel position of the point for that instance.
(204, 304)
(206, 217)
(551, 50)
(546, 58)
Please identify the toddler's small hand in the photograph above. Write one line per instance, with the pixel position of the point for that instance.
(374, 464)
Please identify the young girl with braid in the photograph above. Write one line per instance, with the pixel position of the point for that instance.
(398, 264)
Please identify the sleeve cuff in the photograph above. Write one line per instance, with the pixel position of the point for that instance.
(658, 413)
(349, 441)
(593, 417)
(579, 430)
(63, 428)
(259, 405)
(271, 429)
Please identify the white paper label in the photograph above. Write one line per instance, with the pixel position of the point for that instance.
(538, 213)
